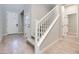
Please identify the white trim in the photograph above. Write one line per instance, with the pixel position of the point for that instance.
(5, 34)
(1, 38)
(36, 42)
(78, 22)
(49, 45)
(77, 19)
(13, 33)
(31, 41)
(43, 37)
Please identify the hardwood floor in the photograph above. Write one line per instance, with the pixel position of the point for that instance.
(69, 45)
(15, 44)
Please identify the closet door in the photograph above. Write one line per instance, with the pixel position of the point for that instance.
(12, 22)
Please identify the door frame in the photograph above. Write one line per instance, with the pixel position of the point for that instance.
(27, 16)
(63, 16)
(20, 27)
(76, 20)
(77, 12)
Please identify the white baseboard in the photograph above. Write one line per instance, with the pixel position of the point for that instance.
(9, 34)
(13, 33)
(5, 34)
(72, 33)
(48, 46)
(1, 38)
(31, 41)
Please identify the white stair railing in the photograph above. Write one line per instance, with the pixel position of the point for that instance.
(44, 25)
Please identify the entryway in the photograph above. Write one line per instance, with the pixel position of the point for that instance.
(18, 28)
(72, 24)
(21, 22)
(70, 20)
(18, 23)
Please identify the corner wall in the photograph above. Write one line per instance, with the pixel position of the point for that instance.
(0, 24)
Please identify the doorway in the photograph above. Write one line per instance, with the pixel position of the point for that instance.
(72, 24)
(21, 22)
(24, 24)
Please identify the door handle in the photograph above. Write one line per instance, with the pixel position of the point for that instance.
(17, 25)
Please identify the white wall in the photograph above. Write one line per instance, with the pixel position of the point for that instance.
(71, 9)
(0, 24)
(27, 20)
(15, 8)
(2, 18)
(67, 10)
(78, 21)
(37, 12)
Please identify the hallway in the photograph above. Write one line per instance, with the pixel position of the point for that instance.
(15, 43)
(69, 45)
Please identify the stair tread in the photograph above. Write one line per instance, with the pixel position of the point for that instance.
(31, 41)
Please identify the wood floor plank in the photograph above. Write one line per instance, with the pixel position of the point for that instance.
(15, 44)
(64, 46)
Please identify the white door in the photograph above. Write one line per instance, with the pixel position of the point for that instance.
(27, 32)
(12, 23)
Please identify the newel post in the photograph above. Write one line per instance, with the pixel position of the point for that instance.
(36, 37)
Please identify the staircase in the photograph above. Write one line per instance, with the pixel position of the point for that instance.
(43, 26)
